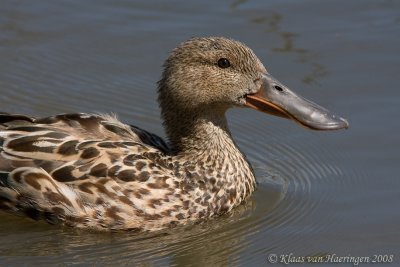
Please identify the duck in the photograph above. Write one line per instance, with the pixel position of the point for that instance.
(92, 171)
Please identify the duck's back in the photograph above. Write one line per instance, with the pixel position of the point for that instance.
(78, 169)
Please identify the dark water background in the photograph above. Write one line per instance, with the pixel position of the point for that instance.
(319, 193)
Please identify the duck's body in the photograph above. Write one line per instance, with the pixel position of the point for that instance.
(92, 171)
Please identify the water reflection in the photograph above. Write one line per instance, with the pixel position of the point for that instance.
(210, 242)
(236, 3)
(273, 22)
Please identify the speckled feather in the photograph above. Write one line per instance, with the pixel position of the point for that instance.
(92, 171)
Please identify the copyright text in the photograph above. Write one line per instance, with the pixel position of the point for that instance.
(330, 258)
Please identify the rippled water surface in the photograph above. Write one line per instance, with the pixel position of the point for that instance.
(319, 193)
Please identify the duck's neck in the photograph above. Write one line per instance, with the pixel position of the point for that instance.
(195, 132)
(203, 145)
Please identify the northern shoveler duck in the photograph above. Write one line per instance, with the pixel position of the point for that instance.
(93, 171)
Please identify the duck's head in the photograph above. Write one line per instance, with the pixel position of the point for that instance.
(213, 74)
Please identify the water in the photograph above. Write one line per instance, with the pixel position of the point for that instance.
(318, 194)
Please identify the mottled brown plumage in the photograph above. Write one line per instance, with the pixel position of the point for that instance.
(92, 171)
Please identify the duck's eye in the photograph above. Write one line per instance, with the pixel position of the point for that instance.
(224, 63)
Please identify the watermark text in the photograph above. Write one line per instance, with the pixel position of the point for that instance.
(291, 258)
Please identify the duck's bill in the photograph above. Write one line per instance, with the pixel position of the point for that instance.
(276, 99)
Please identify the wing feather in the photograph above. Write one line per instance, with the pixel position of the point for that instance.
(71, 166)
